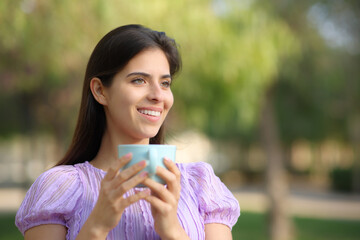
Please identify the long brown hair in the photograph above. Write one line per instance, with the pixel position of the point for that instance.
(110, 56)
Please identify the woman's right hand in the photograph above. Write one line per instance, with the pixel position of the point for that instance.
(111, 202)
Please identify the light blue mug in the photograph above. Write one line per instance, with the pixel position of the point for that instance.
(153, 154)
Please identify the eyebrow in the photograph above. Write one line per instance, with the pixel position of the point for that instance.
(147, 75)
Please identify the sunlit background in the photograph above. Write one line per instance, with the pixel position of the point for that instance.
(269, 95)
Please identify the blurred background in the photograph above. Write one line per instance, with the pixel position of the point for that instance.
(269, 96)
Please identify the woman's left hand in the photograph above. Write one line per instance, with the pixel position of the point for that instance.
(164, 202)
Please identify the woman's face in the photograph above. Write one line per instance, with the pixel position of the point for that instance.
(140, 97)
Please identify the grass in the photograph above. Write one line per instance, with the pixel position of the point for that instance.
(8, 230)
(250, 226)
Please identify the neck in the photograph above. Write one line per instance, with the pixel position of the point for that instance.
(107, 155)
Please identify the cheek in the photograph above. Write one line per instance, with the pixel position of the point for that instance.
(128, 98)
(120, 107)
(169, 100)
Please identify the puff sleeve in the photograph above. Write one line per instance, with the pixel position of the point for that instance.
(216, 203)
(52, 199)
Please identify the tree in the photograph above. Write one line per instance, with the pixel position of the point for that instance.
(321, 93)
(232, 51)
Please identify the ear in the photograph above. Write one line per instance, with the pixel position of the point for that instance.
(98, 91)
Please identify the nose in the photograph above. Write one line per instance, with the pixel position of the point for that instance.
(155, 93)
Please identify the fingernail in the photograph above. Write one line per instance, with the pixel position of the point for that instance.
(147, 191)
(143, 163)
(128, 155)
(166, 160)
(144, 174)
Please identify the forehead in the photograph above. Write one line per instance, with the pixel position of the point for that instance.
(151, 60)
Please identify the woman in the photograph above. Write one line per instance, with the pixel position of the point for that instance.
(126, 98)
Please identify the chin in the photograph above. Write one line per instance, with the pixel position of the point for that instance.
(149, 134)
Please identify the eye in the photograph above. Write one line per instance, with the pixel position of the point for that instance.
(166, 83)
(138, 81)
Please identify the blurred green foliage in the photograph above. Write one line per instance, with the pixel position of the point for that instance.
(229, 58)
(318, 96)
(342, 179)
(233, 51)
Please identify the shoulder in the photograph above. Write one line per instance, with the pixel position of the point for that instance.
(60, 179)
(59, 175)
(59, 171)
(195, 167)
(216, 202)
(51, 199)
(196, 170)
(201, 177)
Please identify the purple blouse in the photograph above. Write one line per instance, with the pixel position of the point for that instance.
(67, 194)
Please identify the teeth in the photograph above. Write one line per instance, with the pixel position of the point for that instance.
(151, 113)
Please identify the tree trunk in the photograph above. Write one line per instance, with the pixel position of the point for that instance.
(354, 129)
(280, 225)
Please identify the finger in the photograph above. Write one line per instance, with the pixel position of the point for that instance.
(170, 179)
(114, 169)
(136, 197)
(159, 205)
(171, 166)
(160, 191)
(129, 184)
(173, 185)
(129, 172)
(123, 160)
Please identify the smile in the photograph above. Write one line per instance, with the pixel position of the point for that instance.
(149, 112)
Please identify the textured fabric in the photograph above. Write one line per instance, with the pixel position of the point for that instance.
(66, 195)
